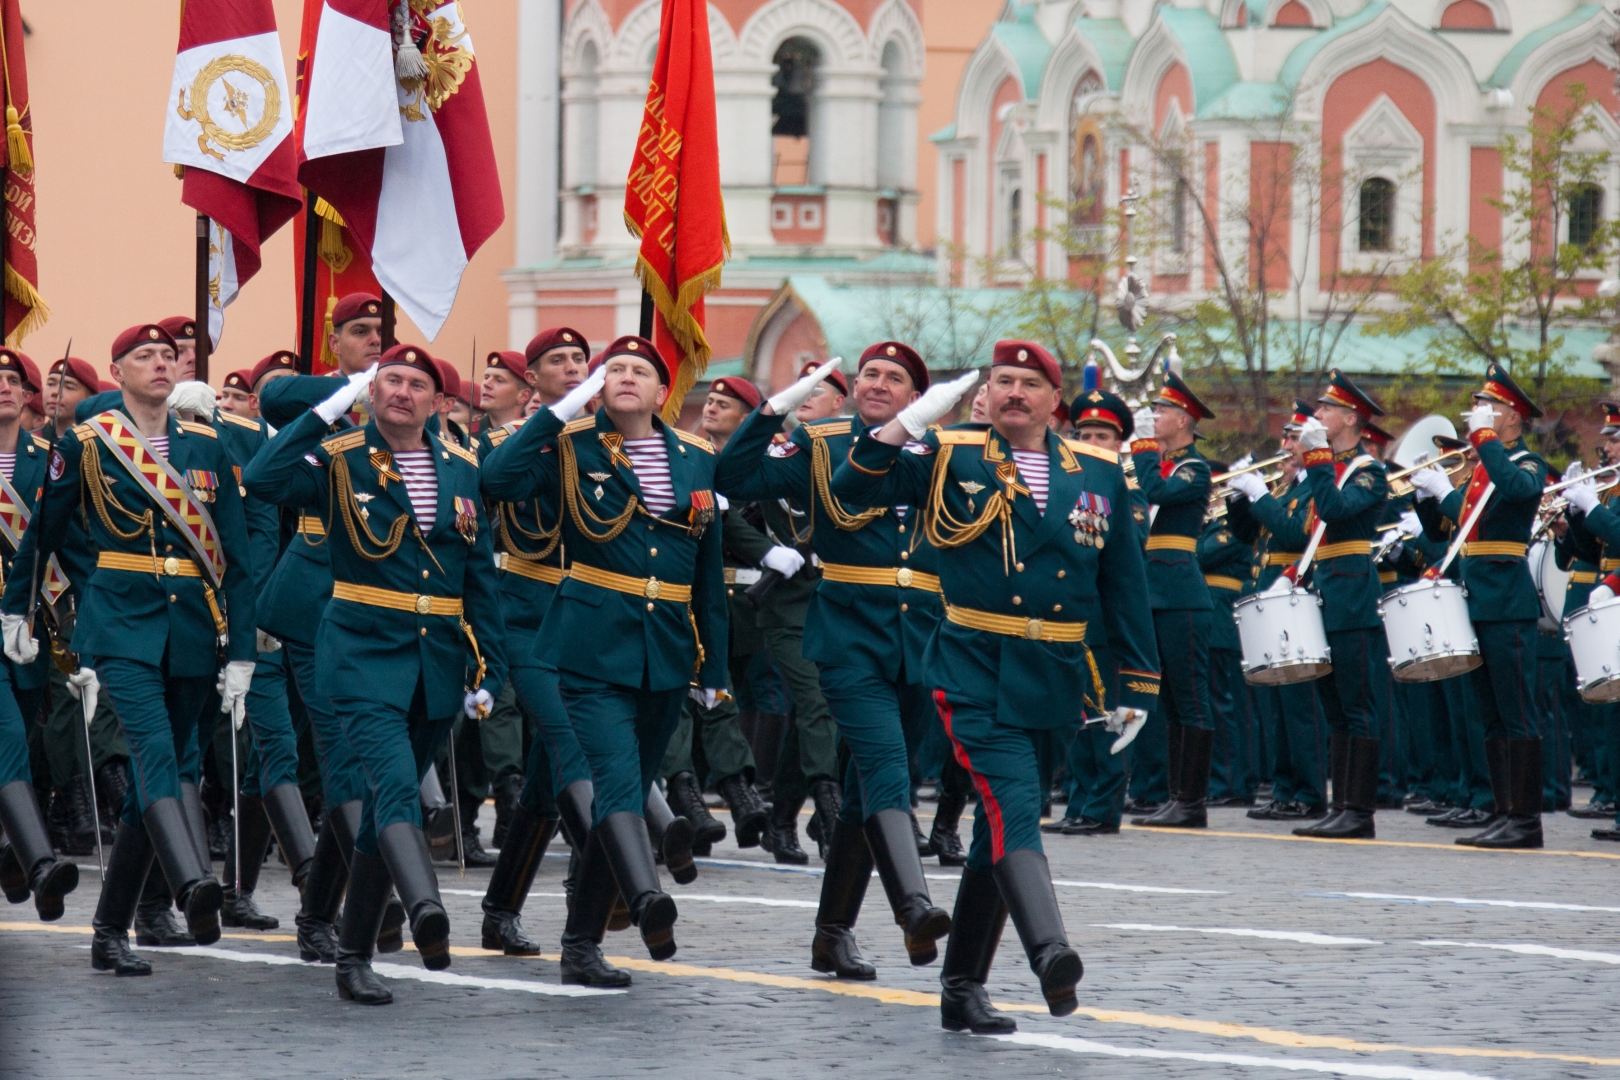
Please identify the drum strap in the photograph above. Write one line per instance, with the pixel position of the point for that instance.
(1462, 533)
(1358, 462)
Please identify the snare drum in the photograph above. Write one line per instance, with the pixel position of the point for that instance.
(1283, 639)
(1430, 635)
(1593, 633)
(1551, 584)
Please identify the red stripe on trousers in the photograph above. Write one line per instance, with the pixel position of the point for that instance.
(987, 798)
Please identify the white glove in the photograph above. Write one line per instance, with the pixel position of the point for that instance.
(708, 698)
(477, 703)
(1582, 496)
(722, 502)
(1144, 421)
(1600, 594)
(1313, 434)
(234, 683)
(783, 559)
(82, 680)
(1481, 416)
(1248, 484)
(1575, 470)
(574, 402)
(795, 394)
(193, 398)
(1243, 462)
(1431, 483)
(266, 643)
(1128, 723)
(344, 397)
(1410, 525)
(21, 648)
(936, 402)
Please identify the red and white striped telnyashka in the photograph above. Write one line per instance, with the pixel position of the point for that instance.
(650, 458)
(421, 483)
(1034, 469)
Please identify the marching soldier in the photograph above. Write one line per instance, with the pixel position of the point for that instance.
(414, 605)
(1034, 541)
(1496, 510)
(173, 561)
(1224, 560)
(236, 396)
(183, 330)
(866, 629)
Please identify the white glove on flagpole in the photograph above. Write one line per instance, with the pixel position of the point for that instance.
(343, 399)
(1313, 434)
(784, 560)
(935, 403)
(1144, 422)
(477, 703)
(1248, 484)
(1128, 723)
(234, 683)
(573, 403)
(21, 648)
(195, 399)
(797, 393)
(1583, 496)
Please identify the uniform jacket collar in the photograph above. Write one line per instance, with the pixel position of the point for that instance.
(442, 516)
(672, 448)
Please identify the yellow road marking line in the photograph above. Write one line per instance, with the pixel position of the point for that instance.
(892, 996)
(1369, 843)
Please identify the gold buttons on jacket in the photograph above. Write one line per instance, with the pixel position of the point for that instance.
(1062, 573)
(904, 555)
(1017, 600)
(653, 552)
(1018, 567)
(424, 575)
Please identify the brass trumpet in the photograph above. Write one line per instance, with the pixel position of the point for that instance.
(1221, 478)
(1400, 487)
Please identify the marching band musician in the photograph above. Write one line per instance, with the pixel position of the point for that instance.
(1224, 560)
(1502, 600)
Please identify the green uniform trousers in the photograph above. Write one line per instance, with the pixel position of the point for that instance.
(395, 747)
(63, 735)
(159, 713)
(624, 731)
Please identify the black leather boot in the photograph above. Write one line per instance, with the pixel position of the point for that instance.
(827, 798)
(284, 804)
(843, 888)
(404, 848)
(686, 799)
(323, 895)
(592, 901)
(976, 926)
(624, 838)
(1521, 826)
(239, 910)
(526, 838)
(1187, 806)
(1172, 751)
(112, 788)
(197, 823)
(925, 847)
(48, 877)
(369, 885)
(767, 745)
(506, 792)
(1496, 760)
(1338, 783)
(472, 849)
(1354, 821)
(781, 836)
(1025, 881)
(81, 816)
(345, 819)
(13, 882)
(894, 852)
(673, 836)
(196, 891)
(155, 924)
(127, 867)
(747, 811)
(944, 836)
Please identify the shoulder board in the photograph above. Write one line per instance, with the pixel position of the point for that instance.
(347, 440)
(1516, 455)
(1094, 451)
(199, 429)
(694, 440)
(583, 423)
(954, 437)
(43, 444)
(823, 429)
(239, 421)
(465, 455)
(497, 436)
(84, 432)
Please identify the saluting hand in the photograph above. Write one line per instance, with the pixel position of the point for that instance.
(343, 399)
(574, 402)
(802, 390)
(935, 403)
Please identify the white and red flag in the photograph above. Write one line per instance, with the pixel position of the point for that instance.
(394, 136)
(229, 122)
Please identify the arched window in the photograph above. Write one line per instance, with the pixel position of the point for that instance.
(1015, 221)
(1377, 221)
(792, 110)
(584, 115)
(892, 145)
(1585, 213)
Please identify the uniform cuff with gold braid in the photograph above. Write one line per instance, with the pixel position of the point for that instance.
(1139, 689)
(1483, 435)
(1322, 455)
(869, 472)
(1145, 446)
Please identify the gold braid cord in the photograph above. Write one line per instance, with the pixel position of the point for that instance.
(570, 486)
(821, 477)
(507, 520)
(101, 496)
(342, 491)
(946, 531)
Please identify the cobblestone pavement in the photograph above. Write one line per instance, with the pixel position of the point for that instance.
(1235, 952)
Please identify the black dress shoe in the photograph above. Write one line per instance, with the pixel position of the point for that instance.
(109, 951)
(1091, 827)
(1424, 807)
(1296, 811)
(965, 1006)
(1233, 800)
(1606, 834)
(317, 940)
(1266, 811)
(358, 983)
(833, 951)
(584, 965)
(156, 926)
(503, 932)
(1133, 807)
(1461, 817)
(240, 910)
(1592, 811)
(1057, 825)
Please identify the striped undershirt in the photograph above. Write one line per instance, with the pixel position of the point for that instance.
(8, 465)
(160, 443)
(421, 483)
(650, 459)
(1034, 469)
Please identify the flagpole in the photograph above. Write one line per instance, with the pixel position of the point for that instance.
(388, 332)
(646, 314)
(306, 302)
(205, 339)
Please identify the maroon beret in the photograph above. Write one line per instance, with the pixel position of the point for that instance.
(106, 387)
(136, 336)
(180, 327)
(556, 337)
(631, 345)
(280, 360)
(514, 362)
(896, 352)
(241, 379)
(741, 389)
(11, 360)
(449, 378)
(413, 356)
(1027, 354)
(356, 305)
(834, 376)
(78, 370)
(596, 362)
(31, 377)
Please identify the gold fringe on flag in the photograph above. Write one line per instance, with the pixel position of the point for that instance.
(677, 314)
(22, 290)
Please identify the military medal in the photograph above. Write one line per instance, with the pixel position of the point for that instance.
(466, 519)
(598, 492)
(702, 512)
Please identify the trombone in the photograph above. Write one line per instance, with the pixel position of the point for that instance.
(1399, 486)
(1219, 492)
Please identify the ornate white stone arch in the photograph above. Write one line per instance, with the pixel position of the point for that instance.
(988, 67)
(1499, 11)
(844, 47)
(896, 22)
(1231, 12)
(1155, 52)
(1591, 40)
(636, 37)
(1392, 36)
(1321, 14)
(1073, 57)
(587, 23)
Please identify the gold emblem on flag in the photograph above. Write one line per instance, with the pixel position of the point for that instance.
(236, 103)
(448, 61)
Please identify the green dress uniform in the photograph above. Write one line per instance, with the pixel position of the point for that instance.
(1224, 560)
(1597, 535)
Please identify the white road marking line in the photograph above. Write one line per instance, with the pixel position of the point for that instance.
(1115, 887)
(764, 901)
(1526, 949)
(750, 864)
(1302, 936)
(1469, 901)
(400, 971)
(1249, 1061)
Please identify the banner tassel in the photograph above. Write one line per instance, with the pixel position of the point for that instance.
(19, 159)
(328, 357)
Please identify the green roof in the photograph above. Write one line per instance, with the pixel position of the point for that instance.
(1294, 67)
(1502, 77)
(1210, 62)
(951, 328)
(1113, 44)
(1026, 45)
(944, 134)
(1248, 101)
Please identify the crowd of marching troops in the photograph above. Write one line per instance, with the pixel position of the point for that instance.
(369, 613)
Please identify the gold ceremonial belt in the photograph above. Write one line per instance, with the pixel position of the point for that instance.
(310, 526)
(1387, 577)
(1609, 565)
(1283, 558)
(1172, 543)
(1013, 626)
(551, 575)
(1219, 581)
(1583, 577)
(1495, 547)
(148, 564)
(651, 588)
(396, 601)
(1343, 548)
(902, 577)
